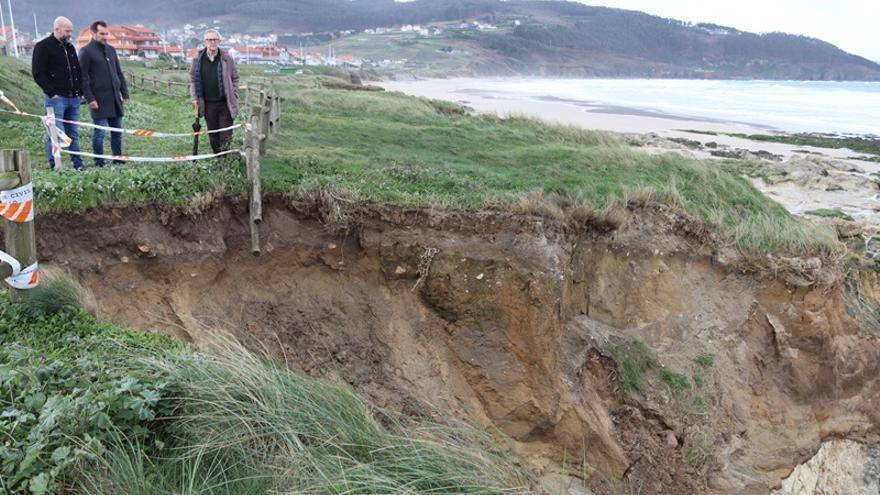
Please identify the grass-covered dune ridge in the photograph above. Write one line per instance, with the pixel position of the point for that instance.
(393, 149)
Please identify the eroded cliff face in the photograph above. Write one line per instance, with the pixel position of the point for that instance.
(508, 320)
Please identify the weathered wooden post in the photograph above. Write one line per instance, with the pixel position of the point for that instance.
(15, 170)
(169, 89)
(277, 111)
(265, 122)
(252, 159)
(273, 117)
(155, 86)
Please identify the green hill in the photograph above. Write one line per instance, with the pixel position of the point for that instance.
(557, 38)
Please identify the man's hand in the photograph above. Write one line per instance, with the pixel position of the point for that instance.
(93, 105)
(125, 101)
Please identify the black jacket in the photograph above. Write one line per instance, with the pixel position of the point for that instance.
(55, 68)
(102, 79)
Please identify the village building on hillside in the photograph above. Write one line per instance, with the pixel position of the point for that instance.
(262, 54)
(23, 40)
(130, 41)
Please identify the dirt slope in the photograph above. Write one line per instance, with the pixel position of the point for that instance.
(506, 320)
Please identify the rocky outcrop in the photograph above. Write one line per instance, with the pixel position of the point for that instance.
(841, 467)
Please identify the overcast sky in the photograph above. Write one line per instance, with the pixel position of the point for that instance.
(852, 25)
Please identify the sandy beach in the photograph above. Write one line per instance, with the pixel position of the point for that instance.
(803, 178)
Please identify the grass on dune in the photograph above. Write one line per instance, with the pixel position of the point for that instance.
(95, 408)
(243, 424)
(390, 148)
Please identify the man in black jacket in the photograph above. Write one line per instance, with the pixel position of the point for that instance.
(56, 70)
(104, 88)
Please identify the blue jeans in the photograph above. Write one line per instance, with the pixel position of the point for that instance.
(115, 139)
(66, 108)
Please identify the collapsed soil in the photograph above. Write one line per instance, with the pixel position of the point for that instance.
(505, 320)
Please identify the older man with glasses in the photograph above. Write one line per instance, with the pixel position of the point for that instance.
(214, 89)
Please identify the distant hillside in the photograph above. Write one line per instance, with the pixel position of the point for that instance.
(284, 15)
(554, 38)
(565, 38)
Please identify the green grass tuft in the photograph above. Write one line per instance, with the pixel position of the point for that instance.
(705, 360)
(56, 293)
(830, 213)
(633, 358)
(245, 425)
(860, 144)
(676, 382)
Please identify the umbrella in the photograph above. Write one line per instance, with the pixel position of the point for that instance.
(197, 127)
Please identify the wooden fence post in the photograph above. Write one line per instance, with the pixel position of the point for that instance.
(20, 243)
(169, 89)
(266, 123)
(252, 159)
(272, 116)
(277, 112)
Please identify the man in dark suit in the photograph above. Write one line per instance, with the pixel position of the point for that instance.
(104, 88)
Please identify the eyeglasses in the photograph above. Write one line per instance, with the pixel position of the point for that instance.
(212, 39)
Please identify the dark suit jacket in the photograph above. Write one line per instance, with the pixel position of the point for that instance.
(102, 79)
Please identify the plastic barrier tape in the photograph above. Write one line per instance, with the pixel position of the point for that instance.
(152, 159)
(65, 141)
(6, 100)
(18, 204)
(21, 279)
(26, 279)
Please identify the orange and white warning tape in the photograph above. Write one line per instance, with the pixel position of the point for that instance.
(147, 133)
(6, 100)
(18, 204)
(134, 132)
(25, 279)
(21, 279)
(152, 159)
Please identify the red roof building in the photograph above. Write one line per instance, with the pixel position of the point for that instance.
(259, 54)
(25, 44)
(133, 40)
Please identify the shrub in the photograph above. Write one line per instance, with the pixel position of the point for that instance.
(68, 383)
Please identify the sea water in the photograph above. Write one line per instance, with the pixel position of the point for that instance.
(789, 106)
